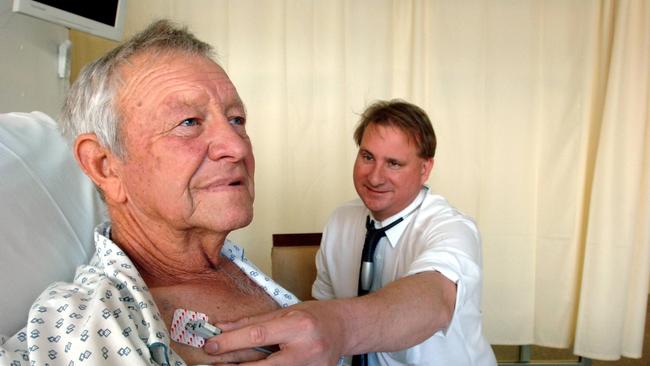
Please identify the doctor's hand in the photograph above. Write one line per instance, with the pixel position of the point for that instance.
(309, 333)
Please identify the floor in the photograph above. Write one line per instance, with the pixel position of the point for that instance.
(511, 353)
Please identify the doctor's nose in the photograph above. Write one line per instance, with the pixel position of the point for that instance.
(376, 175)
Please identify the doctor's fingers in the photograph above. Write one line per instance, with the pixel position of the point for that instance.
(295, 356)
(295, 331)
(251, 320)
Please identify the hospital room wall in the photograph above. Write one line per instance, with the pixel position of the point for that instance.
(86, 49)
(29, 62)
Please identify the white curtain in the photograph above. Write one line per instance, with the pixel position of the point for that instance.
(541, 111)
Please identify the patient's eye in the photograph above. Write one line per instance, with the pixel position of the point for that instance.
(189, 122)
(237, 120)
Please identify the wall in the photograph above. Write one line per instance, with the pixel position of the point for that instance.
(29, 48)
(85, 49)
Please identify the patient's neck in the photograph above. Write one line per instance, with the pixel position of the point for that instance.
(165, 256)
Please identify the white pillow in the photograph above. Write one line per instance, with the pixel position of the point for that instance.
(48, 209)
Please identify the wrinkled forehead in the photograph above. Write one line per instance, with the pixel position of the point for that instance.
(161, 78)
(153, 66)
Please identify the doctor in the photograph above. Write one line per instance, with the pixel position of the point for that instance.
(400, 269)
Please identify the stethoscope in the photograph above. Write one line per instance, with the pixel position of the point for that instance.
(367, 270)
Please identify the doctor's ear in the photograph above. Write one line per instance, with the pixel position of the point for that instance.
(427, 165)
(100, 165)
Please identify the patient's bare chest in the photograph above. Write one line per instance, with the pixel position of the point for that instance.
(225, 296)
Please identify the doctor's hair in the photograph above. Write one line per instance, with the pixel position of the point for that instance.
(407, 117)
(92, 104)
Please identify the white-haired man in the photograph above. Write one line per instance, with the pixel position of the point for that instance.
(161, 131)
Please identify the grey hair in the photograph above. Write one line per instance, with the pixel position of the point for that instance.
(91, 105)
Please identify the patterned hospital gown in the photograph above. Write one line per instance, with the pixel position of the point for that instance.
(107, 315)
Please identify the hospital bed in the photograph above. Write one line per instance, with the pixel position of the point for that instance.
(48, 209)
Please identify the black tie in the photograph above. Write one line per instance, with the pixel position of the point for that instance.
(366, 271)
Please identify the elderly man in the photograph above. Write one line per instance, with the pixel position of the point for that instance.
(400, 268)
(159, 128)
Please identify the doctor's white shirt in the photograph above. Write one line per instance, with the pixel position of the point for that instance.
(433, 236)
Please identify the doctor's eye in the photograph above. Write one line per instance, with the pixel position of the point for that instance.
(366, 156)
(394, 164)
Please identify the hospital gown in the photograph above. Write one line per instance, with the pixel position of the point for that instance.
(107, 316)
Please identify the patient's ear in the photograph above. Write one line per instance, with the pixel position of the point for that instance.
(101, 165)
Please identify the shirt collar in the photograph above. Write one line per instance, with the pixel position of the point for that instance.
(396, 232)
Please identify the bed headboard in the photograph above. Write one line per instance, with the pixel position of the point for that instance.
(293, 262)
(48, 209)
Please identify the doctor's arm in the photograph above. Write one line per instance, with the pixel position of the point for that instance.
(400, 315)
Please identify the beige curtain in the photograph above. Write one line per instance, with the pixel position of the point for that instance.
(541, 110)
